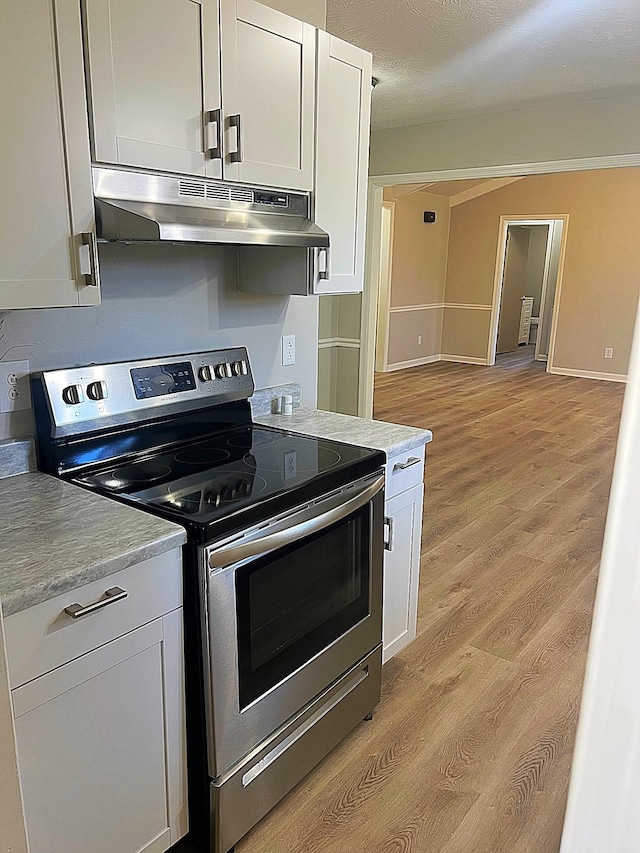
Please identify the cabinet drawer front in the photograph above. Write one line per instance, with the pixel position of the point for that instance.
(404, 471)
(45, 636)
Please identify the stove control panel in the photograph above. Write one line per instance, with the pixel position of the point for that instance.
(81, 394)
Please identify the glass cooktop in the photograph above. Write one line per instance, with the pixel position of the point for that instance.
(211, 478)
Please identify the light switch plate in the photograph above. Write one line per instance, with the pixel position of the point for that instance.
(15, 394)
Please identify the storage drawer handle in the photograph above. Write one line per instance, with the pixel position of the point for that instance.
(401, 466)
(389, 524)
(112, 595)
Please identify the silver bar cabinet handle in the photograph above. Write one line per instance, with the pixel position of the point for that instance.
(88, 255)
(214, 152)
(324, 274)
(116, 593)
(389, 522)
(236, 121)
(401, 466)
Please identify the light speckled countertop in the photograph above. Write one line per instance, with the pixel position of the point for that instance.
(392, 438)
(56, 537)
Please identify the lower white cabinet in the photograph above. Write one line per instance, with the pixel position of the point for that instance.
(101, 744)
(403, 532)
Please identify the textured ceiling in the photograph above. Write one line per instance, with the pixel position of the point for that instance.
(437, 59)
(451, 188)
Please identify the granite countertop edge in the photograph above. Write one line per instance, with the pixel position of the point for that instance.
(18, 600)
(364, 432)
(59, 537)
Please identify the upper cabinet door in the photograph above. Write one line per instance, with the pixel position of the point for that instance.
(342, 162)
(268, 73)
(155, 84)
(47, 243)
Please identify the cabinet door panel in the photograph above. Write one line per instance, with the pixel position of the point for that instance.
(268, 79)
(40, 57)
(91, 750)
(401, 572)
(342, 158)
(146, 66)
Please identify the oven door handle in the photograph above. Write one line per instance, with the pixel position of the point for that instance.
(234, 553)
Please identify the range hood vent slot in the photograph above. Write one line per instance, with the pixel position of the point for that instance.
(194, 189)
(144, 207)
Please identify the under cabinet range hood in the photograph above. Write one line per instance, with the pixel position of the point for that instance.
(144, 207)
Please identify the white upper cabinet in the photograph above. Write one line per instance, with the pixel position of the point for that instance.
(47, 244)
(342, 162)
(158, 101)
(155, 83)
(268, 82)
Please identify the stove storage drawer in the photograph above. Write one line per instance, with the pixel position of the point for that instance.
(404, 470)
(45, 636)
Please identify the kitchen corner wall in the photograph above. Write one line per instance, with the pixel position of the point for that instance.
(159, 300)
(418, 272)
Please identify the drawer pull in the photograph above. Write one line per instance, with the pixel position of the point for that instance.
(110, 596)
(401, 466)
(388, 542)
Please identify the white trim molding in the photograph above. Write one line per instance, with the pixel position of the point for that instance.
(587, 374)
(414, 362)
(463, 359)
(398, 309)
(520, 169)
(345, 343)
(467, 306)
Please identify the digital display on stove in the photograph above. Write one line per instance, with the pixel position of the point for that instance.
(162, 379)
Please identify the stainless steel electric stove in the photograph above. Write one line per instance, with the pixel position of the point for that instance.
(282, 571)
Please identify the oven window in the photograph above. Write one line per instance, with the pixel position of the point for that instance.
(298, 600)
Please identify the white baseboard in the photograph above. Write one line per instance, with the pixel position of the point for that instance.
(587, 374)
(415, 362)
(463, 359)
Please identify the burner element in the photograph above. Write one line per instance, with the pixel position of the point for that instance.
(202, 456)
(142, 472)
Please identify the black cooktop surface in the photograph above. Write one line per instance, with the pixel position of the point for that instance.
(208, 480)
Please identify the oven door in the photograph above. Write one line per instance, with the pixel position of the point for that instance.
(290, 607)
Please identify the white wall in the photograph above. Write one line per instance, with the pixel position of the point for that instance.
(589, 128)
(161, 300)
(602, 812)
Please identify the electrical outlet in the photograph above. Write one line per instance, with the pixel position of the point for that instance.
(419, 339)
(608, 352)
(288, 350)
(290, 465)
(15, 394)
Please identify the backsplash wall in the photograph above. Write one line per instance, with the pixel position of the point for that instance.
(159, 300)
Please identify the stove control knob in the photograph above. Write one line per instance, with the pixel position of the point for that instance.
(243, 367)
(237, 368)
(97, 390)
(223, 371)
(73, 394)
(206, 373)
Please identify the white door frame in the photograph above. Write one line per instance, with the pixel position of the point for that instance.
(374, 221)
(384, 293)
(501, 257)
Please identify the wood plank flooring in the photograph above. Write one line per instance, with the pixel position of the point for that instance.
(470, 748)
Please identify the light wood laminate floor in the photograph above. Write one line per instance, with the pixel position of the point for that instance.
(470, 748)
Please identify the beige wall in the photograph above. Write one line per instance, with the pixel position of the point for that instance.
(418, 276)
(601, 271)
(589, 128)
(465, 333)
(538, 235)
(513, 288)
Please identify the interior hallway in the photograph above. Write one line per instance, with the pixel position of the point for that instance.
(470, 747)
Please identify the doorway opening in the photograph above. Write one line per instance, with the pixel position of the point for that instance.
(527, 284)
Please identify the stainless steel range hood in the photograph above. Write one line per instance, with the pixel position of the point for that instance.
(142, 207)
